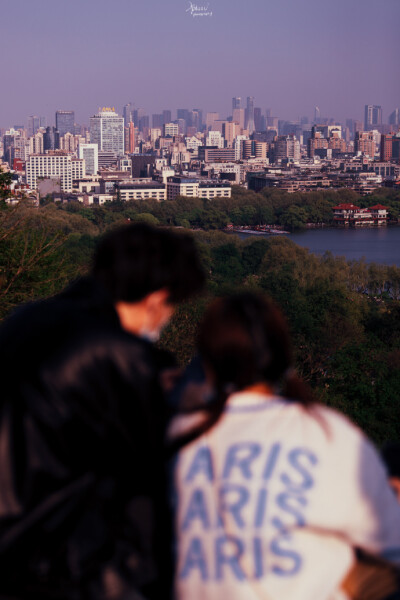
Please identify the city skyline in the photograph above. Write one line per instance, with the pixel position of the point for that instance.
(291, 56)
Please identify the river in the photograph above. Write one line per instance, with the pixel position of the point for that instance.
(380, 245)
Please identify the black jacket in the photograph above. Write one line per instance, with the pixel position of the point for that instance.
(82, 483)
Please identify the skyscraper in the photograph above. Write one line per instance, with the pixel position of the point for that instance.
(249, 115)
(372, 116)
(236, 102)
(51, 139)
(107, 131)
(33, 125)
(65, 121)
(394, 118)
(127, 113)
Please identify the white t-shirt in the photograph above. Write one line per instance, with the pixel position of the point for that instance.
(271, 501)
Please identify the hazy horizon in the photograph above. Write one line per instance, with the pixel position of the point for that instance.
(289, 54)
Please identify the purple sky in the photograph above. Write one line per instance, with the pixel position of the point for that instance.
(290, 54)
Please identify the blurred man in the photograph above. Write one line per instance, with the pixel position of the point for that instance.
(82, 484)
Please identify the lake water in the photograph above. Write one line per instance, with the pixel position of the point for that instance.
(376, 245)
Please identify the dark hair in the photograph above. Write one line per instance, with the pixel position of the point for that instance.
(135, 260)
(243, 340)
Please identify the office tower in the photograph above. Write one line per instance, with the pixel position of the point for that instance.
(130, 138)
(90, 153)
(107, 131)
(236, 103)
(394, 118)
(166, 116)
(372, 116)
(259, 121)
(157, 121)
(199, 113)
(127, 113)
(194, 119)
(144, 124)
(33, 125)
(65, 121)
(317, 114)
(230, 130)
(51, 139)
(183, 113)
(386, 147)
(238, 117)
(249, 115)
(211, 117)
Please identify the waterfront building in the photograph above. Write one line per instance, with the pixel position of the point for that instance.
(349, 215)
(65, 122)
(107, 131)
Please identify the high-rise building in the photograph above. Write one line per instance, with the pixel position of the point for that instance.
(238, 116)
(130, 138)
(372, 116)
(127, 113)
(364, 143)
(33, 125)
(259, 120)
(107, 131)
(236, 103)
(394, 118)
(65, 121)
(90, 152)
(167, 116)
(249, 115)
(157, 121)
(54, 165)
(51, 139)
(211, 117)
(386, 147)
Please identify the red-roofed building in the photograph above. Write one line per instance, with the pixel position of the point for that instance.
(349, 215)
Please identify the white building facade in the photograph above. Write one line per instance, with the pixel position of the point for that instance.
(107, 131)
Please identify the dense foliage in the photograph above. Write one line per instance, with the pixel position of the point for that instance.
(344, 315)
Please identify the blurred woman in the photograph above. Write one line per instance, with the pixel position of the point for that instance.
(273, 492)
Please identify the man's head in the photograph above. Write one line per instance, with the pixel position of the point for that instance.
(146, 272)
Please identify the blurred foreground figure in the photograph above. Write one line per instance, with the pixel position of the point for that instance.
(274, 493)
(82, 482)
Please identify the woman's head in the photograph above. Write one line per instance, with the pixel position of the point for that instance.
(244, 340)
